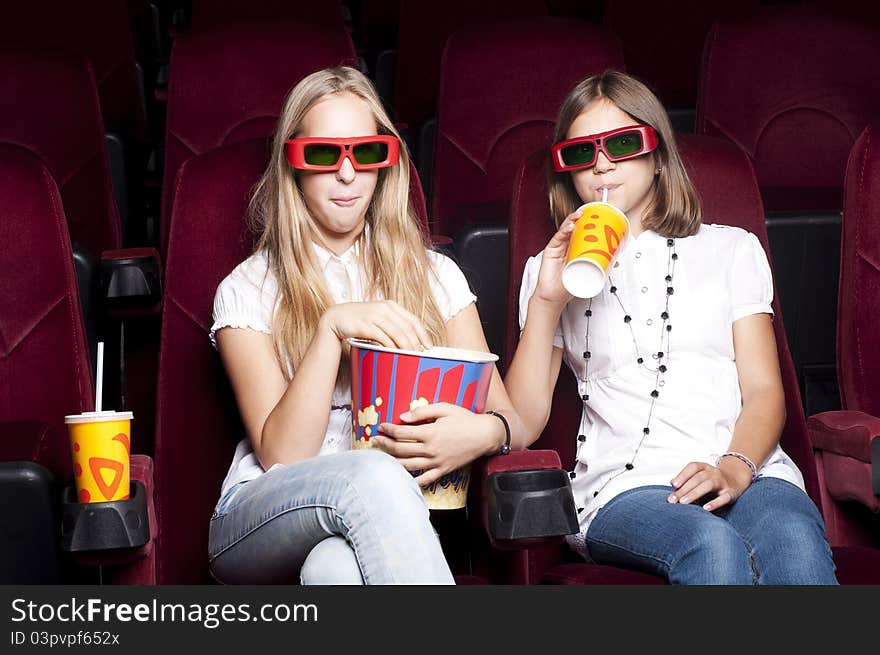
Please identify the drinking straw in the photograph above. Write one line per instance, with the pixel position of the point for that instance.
(99, 377)
(605, 194)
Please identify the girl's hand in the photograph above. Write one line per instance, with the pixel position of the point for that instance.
(549, 288)
(438, 439)
(384, 321)
(727, 482)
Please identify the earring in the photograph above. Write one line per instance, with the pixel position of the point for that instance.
(657, 170)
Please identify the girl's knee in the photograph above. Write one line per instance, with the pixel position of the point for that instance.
(331, 562)
(380, 477)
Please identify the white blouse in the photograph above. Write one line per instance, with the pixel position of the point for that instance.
(721, 275)
(247, 298)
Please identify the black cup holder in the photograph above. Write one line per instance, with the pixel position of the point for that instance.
(105, 526)
(532, 503)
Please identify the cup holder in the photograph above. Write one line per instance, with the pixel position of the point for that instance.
(531, 503)
(104, 526)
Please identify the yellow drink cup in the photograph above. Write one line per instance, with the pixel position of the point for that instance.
(100, 444)
(599, 235)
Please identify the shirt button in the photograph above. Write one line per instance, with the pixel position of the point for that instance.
(649, 322)
(639, 255)
(644, 289)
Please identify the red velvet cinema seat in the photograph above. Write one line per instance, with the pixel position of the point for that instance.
(44, 366)
(725, 182)
(423, 28)
(205, 14)
(793, 87)
(668, 59)
(99, 32)
(501, 87)
(847, 443)
(228, 85)
(198, 425)
(102, 34)
(51, 108)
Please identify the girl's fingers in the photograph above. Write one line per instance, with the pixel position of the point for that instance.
(724, 498)
(399, 449)
(413, 325)
(402, 432)
(705, 487)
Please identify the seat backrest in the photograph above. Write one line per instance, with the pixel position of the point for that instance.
(858, 332)
(501, 87)
(668, 59)
(50, 106)
(44, 361)
(422, 32)
(206, 14)
(228, 84)
(99, 31)
(725, 182)
(793, 87)
(208, 239)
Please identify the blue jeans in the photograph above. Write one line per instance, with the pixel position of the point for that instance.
(356, 517)
(773, 534)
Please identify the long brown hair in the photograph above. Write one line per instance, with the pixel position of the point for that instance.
(675, 209)
(395, 262)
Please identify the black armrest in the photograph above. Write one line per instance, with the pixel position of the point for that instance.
(131, 281)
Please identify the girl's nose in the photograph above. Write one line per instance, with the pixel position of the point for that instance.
(602, 163)
(346, 172)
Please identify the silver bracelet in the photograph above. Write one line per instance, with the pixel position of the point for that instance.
(742, 458)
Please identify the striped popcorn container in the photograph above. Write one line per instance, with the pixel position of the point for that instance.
(387, 382)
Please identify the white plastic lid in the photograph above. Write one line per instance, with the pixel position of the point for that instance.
(437, 352)
(95, 417)
(583, 278)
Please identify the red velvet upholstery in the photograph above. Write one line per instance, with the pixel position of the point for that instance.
(843, 438)
(44, 360)
(99, 31)
(501, 87)
(725, 181)
(197, 422)
(858, 331)
(668, 59)
(422, 32)
(206, 14)
(793, 87)
(51, 108)
(228, 85)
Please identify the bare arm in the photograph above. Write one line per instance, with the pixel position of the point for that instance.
(759, 426)
(532, 375)
(267, 403)
(286, 422)
(534, 370)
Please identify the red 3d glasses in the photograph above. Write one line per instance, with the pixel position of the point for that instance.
(622, 143)
(327, 154)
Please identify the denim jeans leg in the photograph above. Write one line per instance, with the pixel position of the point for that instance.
(684, 543)
(331, 562)
(266, 532)
(785, 533)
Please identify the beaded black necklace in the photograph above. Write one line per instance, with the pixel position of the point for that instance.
(661, 356)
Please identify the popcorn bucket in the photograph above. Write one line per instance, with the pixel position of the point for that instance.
(387, 382)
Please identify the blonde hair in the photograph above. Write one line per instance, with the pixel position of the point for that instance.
(675, 208)
(395, 262)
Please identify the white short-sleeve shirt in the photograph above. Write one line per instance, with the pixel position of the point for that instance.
(721, 275)
(247, 297)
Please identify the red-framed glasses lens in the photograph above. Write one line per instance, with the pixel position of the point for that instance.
(327, 154)
(616, 145)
